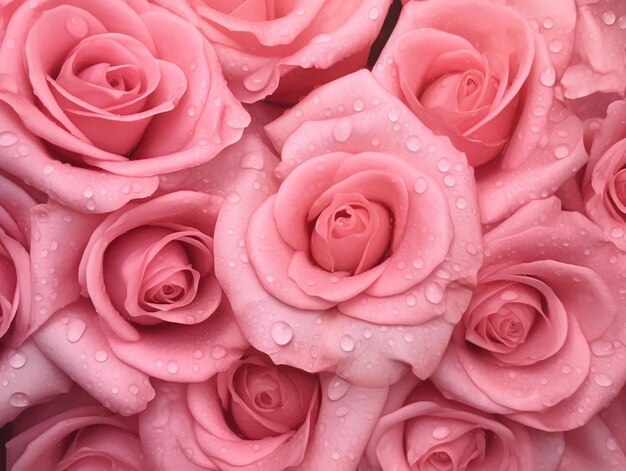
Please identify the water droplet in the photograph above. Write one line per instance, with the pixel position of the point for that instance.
(393, 114)
(367, 333)
(555, 46)
(19, 399)
(346, 343)
(611, 444)
(48, 169)
(602, 348)
(172, 367)
(101, 355)
(88, 192)
(133, 389)
(337, 389)
(335, 455)
(191, 111)
(218, 352)
(358, 105)
(539, 110)
(548, 23)
(421, 185)
(449, 180)
(440, 433)
(75, 330)
(408, 337)
(617, 232)
(76, 26)
(548, 76)
(566, 369)
(561, 151)
(373, 14)
(434, 293)
(461, 202)
(8, 138)
(418, 263)
(608, 17)
(252, 160)
(603, 380)
(413, 143)
(621, 22)
(17, 360)
(342, 130)
(342, 411)
(233, 197)
(322, 38)
(411, 300)
(443, 165)
(509, 295)
(281, 332)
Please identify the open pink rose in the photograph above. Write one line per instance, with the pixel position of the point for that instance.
(420, 430)
(601, 443)
(74, 433)
(358, 252)
(527, 346)
(491, 91)
(154, 308)
(285, 47)
(604, 183)
(126, 91)
(15, 288)
(257, 415)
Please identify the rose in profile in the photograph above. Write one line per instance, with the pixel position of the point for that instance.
(358, 252)
(74, 432)
(258, 415)
(604, 183)
(527, 346)
(421, 430)
(285, 48)
(126, 91)
(135, 290)
(491, 91)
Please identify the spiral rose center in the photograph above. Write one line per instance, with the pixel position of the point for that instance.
(617, 193)
(351, 234)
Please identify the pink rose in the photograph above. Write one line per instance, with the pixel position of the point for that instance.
(598, 63)
(285, 48)
(601, 443)
(604, 183)
(491, 91)
(126, 91)
(527, 346)
(358, 252)
(155, 307)
(15, 289)
(73, 432)
(420, 430)
(257, 415)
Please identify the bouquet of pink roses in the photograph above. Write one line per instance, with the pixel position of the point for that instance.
(313, 235)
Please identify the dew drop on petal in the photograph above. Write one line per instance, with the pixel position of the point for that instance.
(358, 105)
(440, 433)
(617, 232)
(218, 352)
(281, 332)
(413, 143)
(434, 293)
(608, 17)
(603, 380)
(172, 367)
(337, 389)
(252, 160)
(561, 151)
(8, 138)
(342, 130)
(555, 46)
(48, 169)
(133, 389)
(100, 355)
(346, 343)
(420, 185)
(75, 330)
(373, 14)
(548, 76)
(461, 202)
(342, 411)
(443, 165)
(17, 360)
(611, 444)
(76, 26)
(19, 399)
(602, 348)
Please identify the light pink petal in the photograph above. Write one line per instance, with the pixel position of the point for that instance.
(75, 342)
(28, 377)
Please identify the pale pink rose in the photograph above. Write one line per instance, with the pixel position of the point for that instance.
(74, 433)
(601, 443)
(491, 91)
(543, 339)
(285, 48)
(604, 183)
(598, 63)
(125, 91)
(15, 287)
(358, 252)
(257, 415)
(420, 430)
(154, 307)
(27, 377)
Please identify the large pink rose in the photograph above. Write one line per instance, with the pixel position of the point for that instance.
(358, 252)
(285, 47)
(154, 307)
(420, 430)
(601, 443)
(15, 288)
(73, 432)
(257, 415)
(604, 183)
(543, 339)
(124, 92)
(491, 91)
